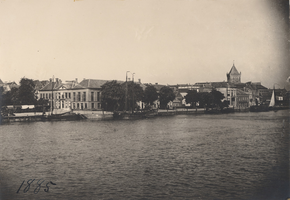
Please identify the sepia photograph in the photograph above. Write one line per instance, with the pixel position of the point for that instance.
(144, 99)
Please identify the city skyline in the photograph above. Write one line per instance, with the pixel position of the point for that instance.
(170, 43)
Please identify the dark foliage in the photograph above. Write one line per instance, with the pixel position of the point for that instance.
(135, 93)
(150, 95)
(166, 95)
(26, 92)
(113, 96)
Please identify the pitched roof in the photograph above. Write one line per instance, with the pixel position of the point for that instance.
(240, 92)
(51, 86)
(1, 82)
(92, 83)
(234, 70)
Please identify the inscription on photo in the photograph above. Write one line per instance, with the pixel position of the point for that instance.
(36, 186)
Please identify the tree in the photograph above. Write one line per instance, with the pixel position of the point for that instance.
(192, 97)
(224, 104)
(166, 95)
(212, 99)
(205, 100)
(217, 98)
(113, 96)
(150, 95)
(135, 93)
(26, 92)
(11, 97)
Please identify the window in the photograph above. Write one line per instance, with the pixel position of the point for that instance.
(82, 106)
(98, 96)
(79, 96)
(86, 106)
(93, 105)
(74, 96)
(84, 96)
(92, 96)
(69, 95)
(99, 105)
(62, 95)
(62, 104)
(46, 96)
(66, 95)
(78, 105)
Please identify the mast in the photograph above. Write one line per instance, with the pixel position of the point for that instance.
(126, 92)
(133, 93)
(52, 85)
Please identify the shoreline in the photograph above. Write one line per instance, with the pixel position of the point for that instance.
(106, 115)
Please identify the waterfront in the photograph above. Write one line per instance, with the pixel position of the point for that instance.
(228, 156)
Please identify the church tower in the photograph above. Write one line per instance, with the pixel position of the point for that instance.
(234, 76)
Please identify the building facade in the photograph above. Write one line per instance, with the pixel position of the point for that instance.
(72, 95)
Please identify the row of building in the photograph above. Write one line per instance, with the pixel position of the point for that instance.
(86, 94)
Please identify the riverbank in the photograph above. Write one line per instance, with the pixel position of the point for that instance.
(107, 115)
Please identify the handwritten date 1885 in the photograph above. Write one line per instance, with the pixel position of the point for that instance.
(36, 190)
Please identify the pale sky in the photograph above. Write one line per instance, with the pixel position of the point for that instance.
(164, 41)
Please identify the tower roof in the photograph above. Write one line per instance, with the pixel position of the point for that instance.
(234, 70)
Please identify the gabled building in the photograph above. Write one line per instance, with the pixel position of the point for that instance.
(85, 95)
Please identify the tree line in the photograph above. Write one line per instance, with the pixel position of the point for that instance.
(207, 100)
(113, 96)
(22, 95)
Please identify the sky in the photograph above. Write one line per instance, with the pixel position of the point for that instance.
(160, 41)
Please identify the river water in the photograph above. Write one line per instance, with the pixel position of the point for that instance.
(227, 156)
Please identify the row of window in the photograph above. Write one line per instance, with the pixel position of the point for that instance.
(65, 104)
(85, 106)
(77, 96)
(243, 98)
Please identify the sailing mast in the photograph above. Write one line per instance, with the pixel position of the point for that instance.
(52, 85)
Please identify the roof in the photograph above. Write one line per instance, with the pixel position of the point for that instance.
(1, 82)
(279, 92)
(240, 92)
(93, 83)
(234, 70)
(51, 86)
(221, 84)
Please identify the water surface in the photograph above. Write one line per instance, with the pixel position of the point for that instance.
(229, 156)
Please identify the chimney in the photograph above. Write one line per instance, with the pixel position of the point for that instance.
(156, 83)
(128, 79)
(76, 80)
(139, 80)
(50, 80)
(56, 80)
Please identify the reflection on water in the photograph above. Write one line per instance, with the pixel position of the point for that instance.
(230, 156)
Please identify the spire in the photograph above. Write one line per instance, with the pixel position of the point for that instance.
(234, 70)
